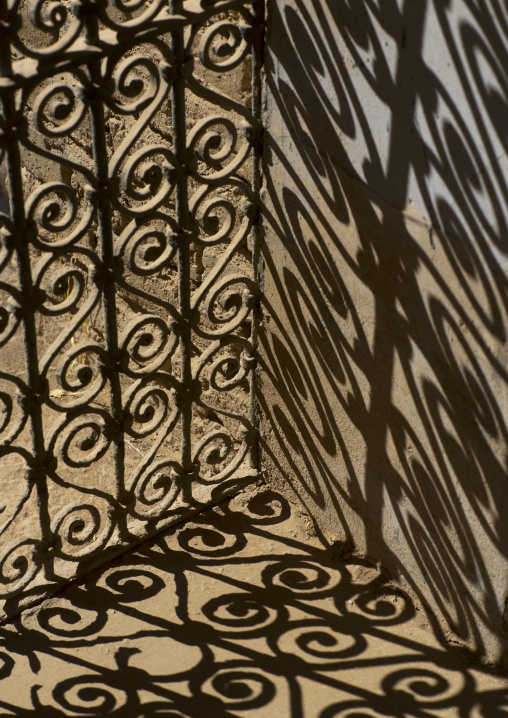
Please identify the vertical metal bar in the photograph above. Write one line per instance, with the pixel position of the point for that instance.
(105, 242)
(257, 61)
(14, 135)
(12, 121)
(182, 216)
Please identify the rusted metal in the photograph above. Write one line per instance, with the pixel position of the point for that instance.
(119, 423)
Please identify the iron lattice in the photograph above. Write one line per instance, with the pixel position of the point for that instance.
(128, 273)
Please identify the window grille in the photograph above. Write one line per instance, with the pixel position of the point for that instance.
(130, 136)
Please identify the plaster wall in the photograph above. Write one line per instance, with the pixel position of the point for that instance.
(384, 357)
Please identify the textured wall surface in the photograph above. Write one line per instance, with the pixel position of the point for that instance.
(384, 345)
(128, 252)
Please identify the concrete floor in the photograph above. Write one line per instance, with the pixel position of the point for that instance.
(241, 612)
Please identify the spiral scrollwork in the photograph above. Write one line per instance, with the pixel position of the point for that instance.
(58, 109)
(90, 695)
(228, 372)
(241, 613)
(147, 179)
(52, 20)
(228, 303)
(49, 15)
(320, 644)
(147, 407)
(216, 456)
(210, 541)
(301, 577)
(214, 141)
(216, 217)
(20, 561)
(241, 687)
(422, 686)
(58, 220)
(223, 46)
(148, 248)
(84, 381)
(133, 584)
(82, 529)
(131, 15)
(265, 507)
(63, 619)
(63, 290)
(229, 364)
(215, 448)
(383, 605)
(127, 206)
(84, 439)
(156, 489)
(136, 78)
(148, 343)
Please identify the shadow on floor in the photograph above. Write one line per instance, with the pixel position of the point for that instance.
(384, 349)
(242, 612)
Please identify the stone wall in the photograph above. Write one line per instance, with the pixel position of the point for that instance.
(386, 237)
(128, 255)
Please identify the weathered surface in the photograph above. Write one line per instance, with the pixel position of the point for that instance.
(127, 289)
(385, 384)
(240, 613)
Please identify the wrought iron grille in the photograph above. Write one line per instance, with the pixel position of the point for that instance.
(130, 133)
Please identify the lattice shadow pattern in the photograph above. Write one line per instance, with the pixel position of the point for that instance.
(128, 273)
(237, 613)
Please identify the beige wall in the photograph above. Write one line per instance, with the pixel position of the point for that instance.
(384, 345)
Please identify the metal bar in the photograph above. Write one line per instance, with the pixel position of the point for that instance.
(100, 196)
(257, 63)
(182, 216)
(12, 122)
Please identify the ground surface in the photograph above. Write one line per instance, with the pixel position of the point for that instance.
(242, 612)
